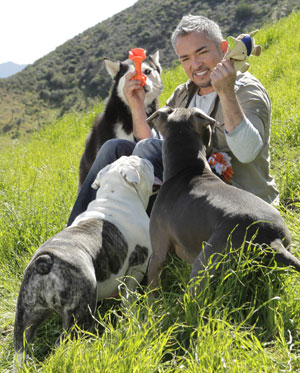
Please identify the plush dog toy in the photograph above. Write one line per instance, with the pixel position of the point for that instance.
(241, 48)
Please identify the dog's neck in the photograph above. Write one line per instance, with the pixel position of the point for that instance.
(107, 193)
(123, 111)
(181, 141)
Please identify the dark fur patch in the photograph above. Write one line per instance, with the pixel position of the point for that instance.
(138, 256)
(93, 234)
(112, 253)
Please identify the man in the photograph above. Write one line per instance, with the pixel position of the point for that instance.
(239, 103)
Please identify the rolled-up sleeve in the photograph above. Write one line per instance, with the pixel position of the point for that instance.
(245, 141)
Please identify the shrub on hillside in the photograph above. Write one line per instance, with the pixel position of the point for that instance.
(244, 11)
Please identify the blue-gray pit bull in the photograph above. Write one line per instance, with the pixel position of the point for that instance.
(195, 211)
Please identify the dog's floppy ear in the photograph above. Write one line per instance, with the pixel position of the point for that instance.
(157, 183)
(97, 183)
(112, 67)
(159, 119)
(202, 124)
(130, 174)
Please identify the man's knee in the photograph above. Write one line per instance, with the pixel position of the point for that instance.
(116, 148)
(147, 148)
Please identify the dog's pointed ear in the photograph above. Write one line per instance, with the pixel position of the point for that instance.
(155, 58)
(130, 174)
(112, 67)
(202, 124)
(200, 114)
(200, 119)
(97, 183)
(159, 119)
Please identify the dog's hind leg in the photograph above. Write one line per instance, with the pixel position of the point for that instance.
(207, 261)
(26, 323)
(160, 246)
(282, 255)
(80, 308)
(31, 311)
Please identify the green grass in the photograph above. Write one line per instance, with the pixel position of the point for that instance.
(248, 321)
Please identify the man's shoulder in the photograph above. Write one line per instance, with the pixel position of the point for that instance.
(185, 87)
(181, 94)
(247, 87)
(246, 78)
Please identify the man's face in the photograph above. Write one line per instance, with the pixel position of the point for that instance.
(198, 56)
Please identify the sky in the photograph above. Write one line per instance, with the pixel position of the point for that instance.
(30, 29)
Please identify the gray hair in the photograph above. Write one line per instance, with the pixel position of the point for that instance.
(192, 23)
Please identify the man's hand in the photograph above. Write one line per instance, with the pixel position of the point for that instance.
(134, 92)
(135, 96)
(223, 77)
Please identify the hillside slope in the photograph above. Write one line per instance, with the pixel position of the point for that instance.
(248, 321)
(73, 76)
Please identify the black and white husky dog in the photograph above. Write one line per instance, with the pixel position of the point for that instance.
(116, 119)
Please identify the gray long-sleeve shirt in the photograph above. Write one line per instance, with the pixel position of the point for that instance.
(245, 133)
(248, 144)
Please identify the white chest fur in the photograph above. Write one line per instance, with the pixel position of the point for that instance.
(121, 134)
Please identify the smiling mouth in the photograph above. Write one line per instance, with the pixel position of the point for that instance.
(200, 73)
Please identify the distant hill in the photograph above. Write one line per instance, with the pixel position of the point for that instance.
(73, 77)
(10, 68)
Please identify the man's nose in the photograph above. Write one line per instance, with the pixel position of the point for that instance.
(196, 61)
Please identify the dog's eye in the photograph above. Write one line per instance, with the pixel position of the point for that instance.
(147, 72)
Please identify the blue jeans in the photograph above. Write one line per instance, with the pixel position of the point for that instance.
(110, 151)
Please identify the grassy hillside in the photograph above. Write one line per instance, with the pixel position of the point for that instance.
(73, 76)
(249, 321)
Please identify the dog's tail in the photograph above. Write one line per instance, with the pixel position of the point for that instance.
(43, 264)
(284, 256)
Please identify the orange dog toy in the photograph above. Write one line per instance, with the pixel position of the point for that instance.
(137, 55)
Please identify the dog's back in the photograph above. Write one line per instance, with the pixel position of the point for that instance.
(208, 205)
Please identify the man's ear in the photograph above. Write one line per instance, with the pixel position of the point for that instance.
(224, 46)
(112, 67)
(160, 118)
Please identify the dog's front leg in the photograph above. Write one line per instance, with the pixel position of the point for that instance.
(133, 279)
(155, 270)
(157, 263)
(160, 242)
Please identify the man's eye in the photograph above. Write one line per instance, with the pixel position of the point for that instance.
(147, 72)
